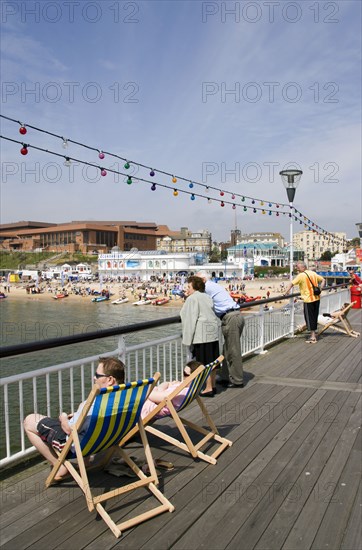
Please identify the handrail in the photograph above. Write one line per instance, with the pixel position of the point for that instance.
(20, 349)
(31, 391)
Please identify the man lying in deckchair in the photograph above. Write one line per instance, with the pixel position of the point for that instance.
(337, 320)
(45, 432)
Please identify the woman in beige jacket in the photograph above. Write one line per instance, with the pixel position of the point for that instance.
(200, 328)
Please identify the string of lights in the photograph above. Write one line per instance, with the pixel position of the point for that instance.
(291, 210)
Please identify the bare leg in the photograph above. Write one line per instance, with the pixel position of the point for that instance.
(210, 383)
(30, 424)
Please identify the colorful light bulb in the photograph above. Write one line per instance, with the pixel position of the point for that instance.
(126, 165)
(174, 180)
(152, 173)
(23, 130)
(153, 187)
(192, 197)
(103, 172)
(129, 180)
(175, 192)
(101, 155)
(24, 150)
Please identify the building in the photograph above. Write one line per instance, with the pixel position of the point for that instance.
(314, 244)
(258, 237)
(101, 237)
(153, 265)
(184, 241)
(359, 228)
(262, 254)
(79, 236)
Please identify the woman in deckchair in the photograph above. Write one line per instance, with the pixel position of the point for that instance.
(47, 433)
(159, 393)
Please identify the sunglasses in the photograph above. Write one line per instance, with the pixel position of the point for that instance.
(97, 375)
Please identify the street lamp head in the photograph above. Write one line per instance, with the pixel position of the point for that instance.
(291, 179)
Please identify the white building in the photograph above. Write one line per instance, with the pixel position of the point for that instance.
(151, 265)
(314, 244)
(259, 254)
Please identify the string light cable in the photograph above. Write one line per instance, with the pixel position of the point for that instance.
(176, 190)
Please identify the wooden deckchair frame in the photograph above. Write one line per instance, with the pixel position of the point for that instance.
(95, 502)
(340, 323)
(186, 444)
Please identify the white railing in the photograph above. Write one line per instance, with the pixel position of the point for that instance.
(61, 387)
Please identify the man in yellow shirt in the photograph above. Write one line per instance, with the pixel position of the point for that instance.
(307, 280)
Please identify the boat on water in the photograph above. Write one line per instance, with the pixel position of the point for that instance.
(120, 301)
(141, 303)
(100, 299)
(60, 296)
(160, 301)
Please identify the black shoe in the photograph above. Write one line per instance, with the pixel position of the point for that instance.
(214, 390)
(223, 383)
(207, 394)
(232, 385)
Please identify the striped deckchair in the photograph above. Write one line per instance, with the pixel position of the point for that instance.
(116, 410)
(196, 382)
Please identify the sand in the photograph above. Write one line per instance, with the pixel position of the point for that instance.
(18, 291)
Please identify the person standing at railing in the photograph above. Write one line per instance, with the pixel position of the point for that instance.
(47, 433)
(310, 286)
(232, 325)
(200, 328)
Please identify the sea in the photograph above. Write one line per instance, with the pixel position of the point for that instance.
(25, 321)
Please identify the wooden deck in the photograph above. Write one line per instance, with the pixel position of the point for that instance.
(291, 480)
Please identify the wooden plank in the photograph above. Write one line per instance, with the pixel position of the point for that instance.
(189, 499)
(266, 421)
(331, 532)
(353, 535)
(208, 510)
(301, 537)
(187, 478)
(242, 517)
(314, 484)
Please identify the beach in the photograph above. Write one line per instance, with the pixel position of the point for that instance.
(78, 292)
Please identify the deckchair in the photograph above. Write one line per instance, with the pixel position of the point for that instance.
(196, 383)
(116, 411)
(338, 321)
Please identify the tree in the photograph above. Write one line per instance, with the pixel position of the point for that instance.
(223, 255)
(326, 256)
(355, 242)
(214, 255)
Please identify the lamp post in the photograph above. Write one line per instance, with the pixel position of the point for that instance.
(290, 179)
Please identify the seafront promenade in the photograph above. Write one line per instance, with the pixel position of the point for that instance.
(291, 479)
(257, 287)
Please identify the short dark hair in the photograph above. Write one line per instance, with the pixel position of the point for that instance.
(197, 283)
(193, 365)
(113, 367)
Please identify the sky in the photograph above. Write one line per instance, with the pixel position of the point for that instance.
(223, 94)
